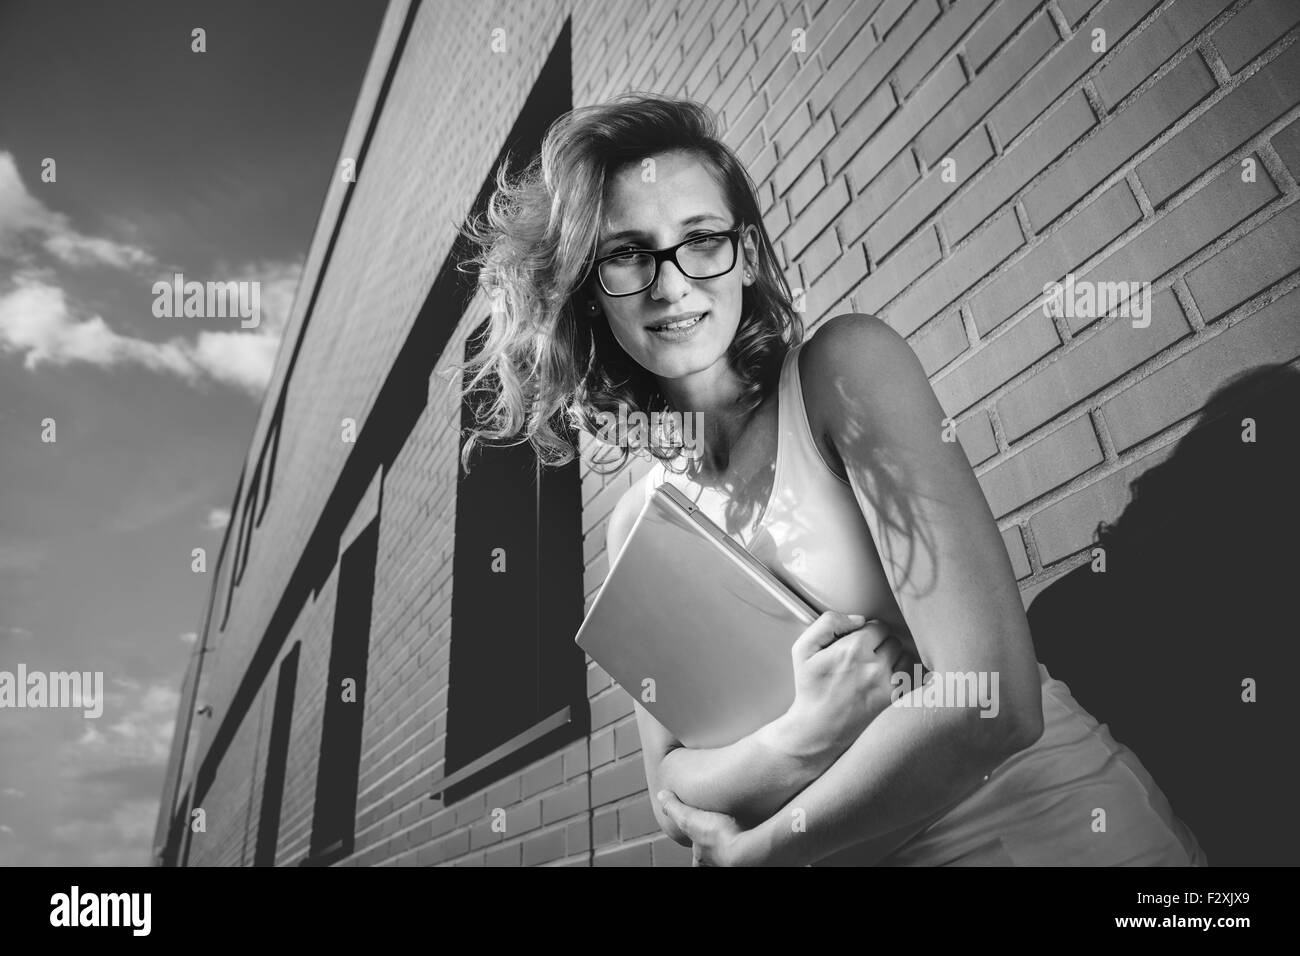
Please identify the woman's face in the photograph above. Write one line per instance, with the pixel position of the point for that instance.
(653, 207)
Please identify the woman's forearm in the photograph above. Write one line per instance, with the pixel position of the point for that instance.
(750, 779)
(907, 766)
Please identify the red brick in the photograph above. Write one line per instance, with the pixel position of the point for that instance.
(1287, 144)
(882, 192)
(847, 91)
(566, 802)
(1145, 52)
(942, 342)
(1182, 232)
(1125, 134)
(1248, 266)
(1041, 467)
(615, 781)
(1075, 10)
(1015, 546)
(996, 29)
(792, 95)
(818, 216)
(837, 281)
(996, 361)
(636, 819)
(890, 13)
(1070, 524)
(1012, 170)
(907, 122)
(1223, 127)
(989, 87)
(1078, 238)
(1254, 28)
(1090, 364)
(929, 194)
(668, 853)
(804, 152)
(549, 773)
(812, 182)
(1182, 387)
(835, 24)
(956, 274)
(899, 272)
(937, 41)
(1056, 74)
(839, 72)
(975, 435)
(861, 127)
(544, 847)
(637, 855)
(609, 707)
(818, 257)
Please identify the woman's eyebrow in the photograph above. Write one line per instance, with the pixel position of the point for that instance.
(684, 224)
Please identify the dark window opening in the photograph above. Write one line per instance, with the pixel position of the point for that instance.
(517, 679)
(277, 759)
(339, 769)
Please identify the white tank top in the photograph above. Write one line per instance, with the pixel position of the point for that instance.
(812, 533)
(1037, 807)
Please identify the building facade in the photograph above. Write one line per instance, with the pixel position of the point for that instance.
(385, 672)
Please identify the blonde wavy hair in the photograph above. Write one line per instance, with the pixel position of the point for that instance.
(546, 370)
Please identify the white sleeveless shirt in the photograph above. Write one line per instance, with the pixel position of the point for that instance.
(1037, 807)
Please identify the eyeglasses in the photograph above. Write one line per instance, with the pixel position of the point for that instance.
(630, 271)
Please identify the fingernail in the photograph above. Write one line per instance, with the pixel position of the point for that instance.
(858, 618)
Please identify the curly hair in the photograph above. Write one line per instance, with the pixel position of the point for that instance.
(546, 370)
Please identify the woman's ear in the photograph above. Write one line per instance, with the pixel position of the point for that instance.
(750, 249)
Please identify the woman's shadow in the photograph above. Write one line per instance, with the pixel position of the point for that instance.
(1192, 615)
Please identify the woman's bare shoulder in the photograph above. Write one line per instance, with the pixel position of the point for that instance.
(850, 346)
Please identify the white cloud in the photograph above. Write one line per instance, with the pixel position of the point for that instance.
(13, 792)
(218, 518)
(37, 322)
(141, 732)
(25, 222)
(5, 829)
(189, 637)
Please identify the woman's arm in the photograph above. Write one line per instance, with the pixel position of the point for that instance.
(950, 573)
(749, 779)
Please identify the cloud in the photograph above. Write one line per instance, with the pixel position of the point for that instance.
(37, 322)
(141, 732)
(218, 518)
(13, 792)
(21, 633)
(189, 637)
(25, 222)
(5, 829)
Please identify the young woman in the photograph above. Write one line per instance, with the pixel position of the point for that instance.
(631, 267)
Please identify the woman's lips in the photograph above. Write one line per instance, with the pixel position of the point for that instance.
(679, 331)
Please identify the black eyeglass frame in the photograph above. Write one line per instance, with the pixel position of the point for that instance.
(670, 254)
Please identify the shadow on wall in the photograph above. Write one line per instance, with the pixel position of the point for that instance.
(1201, 578)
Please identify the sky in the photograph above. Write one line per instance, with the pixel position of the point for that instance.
(167, 160)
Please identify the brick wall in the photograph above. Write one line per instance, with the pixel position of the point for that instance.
(934, 163)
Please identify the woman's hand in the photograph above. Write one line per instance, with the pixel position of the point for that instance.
(716, 838)
(843, 667)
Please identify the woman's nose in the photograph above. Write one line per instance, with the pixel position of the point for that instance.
(671, 285)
